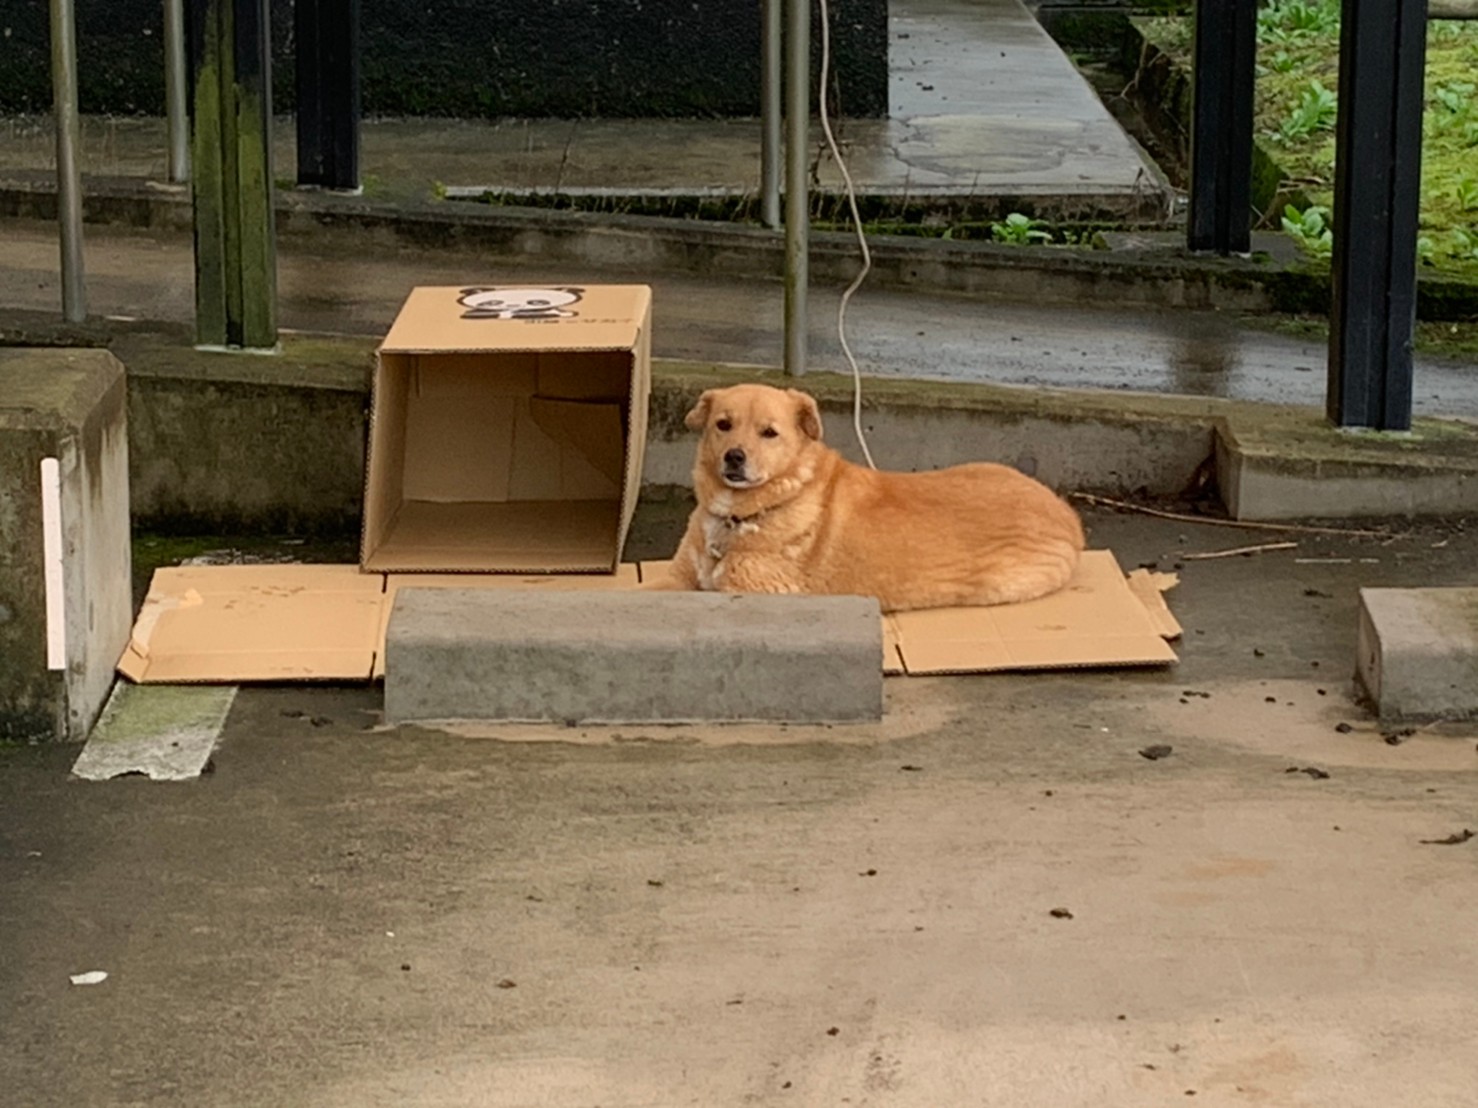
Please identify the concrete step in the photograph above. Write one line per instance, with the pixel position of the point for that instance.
(1418, 652)
(649, 657)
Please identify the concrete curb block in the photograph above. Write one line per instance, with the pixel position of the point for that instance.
(580, 657)
(1418, 653)
(1150, 278)
(1293, 467)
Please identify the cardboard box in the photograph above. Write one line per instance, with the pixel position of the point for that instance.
(230, 624)
(507, 430)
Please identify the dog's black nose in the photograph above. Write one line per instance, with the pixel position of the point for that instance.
(734, 458)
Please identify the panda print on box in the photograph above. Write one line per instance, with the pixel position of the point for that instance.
(485, 303)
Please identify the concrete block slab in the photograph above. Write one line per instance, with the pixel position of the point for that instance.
(65, 600)
(164, 732)
(644, 657)
(1418, 655)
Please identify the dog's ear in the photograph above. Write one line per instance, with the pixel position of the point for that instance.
(808, 415)
(698, 417)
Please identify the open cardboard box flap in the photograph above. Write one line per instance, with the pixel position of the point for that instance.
(237, 624)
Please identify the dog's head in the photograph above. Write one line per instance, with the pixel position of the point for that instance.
(753, 434)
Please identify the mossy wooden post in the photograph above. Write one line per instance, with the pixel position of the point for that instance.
(231, 156)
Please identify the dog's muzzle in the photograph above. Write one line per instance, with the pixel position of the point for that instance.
(734, 471)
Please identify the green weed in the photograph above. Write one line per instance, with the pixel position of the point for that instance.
(1315, 111)
(1310, 228)
(1020, 230)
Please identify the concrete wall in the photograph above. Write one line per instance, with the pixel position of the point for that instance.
(225, 444)
(568, 58)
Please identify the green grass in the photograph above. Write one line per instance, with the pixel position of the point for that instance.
(1458, 341)
(1297, 82)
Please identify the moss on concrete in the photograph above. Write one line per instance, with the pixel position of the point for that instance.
(341, 363)
(1296, 440)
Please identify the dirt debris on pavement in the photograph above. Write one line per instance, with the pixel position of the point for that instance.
(1455, 839)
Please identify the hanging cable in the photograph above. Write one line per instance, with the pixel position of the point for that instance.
(861, 238)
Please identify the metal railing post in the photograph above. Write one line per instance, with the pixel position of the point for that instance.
(176, 91)
(797, 186)
(1224, 68)
(327, 33)
(1377, 193)
(771, 86)
(68, 171)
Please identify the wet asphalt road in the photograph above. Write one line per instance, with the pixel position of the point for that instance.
(149, 275)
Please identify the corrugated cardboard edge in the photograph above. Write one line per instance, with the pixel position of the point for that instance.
(135, 661)
(1151, 587)
(919, 659)
(892, 647)
(637, 417)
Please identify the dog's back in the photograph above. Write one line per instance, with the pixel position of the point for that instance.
(971, 534)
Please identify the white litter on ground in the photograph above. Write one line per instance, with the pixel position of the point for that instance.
(165, 732)
(91, 977)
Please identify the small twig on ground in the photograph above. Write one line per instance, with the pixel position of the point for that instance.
(1260, 548)
(1246, 525)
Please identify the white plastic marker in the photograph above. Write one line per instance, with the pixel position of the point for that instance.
(51, 546)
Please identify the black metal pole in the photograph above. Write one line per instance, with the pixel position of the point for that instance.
(1224, 65)
(1377, 182)
(327, 80)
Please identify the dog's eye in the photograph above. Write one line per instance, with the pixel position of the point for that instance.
(724, 425)
(770, 433)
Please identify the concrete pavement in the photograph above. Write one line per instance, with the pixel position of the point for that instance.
(346, 916)
(983, 105)
(339, 287)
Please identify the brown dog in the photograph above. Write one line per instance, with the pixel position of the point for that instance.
(779, 512)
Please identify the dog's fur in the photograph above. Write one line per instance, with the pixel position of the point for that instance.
(780, 512)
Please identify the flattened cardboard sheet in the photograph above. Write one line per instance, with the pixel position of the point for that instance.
(1101, 618)
(230, 624)
(233, 624)
(1096, 620)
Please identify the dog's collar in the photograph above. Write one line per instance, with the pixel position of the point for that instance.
(734, 522)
